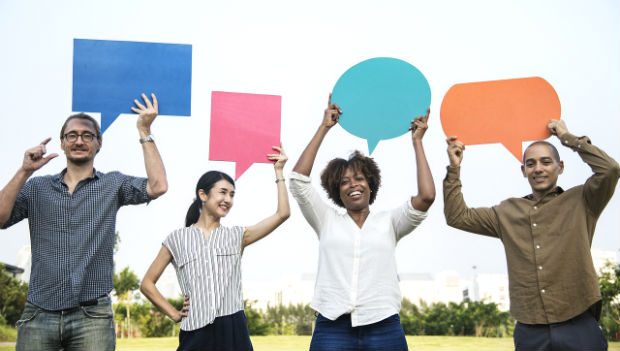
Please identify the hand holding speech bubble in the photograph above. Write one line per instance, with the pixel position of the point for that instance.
(507, 111)
(244, 128)
(109, 75)
(379, 97)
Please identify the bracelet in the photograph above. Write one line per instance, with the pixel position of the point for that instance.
(279, 180)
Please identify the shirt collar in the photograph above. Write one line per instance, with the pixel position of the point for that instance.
(555, 192)
(60, 176)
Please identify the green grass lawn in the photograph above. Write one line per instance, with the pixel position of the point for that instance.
(294, 343)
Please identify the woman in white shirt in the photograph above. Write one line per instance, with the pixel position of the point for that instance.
(356, 295)
(207, 259)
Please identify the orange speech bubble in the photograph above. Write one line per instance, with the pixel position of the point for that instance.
(508, 111)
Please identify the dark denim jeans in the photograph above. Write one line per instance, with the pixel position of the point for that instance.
(84, 328)
(339, 335)
(578, 334)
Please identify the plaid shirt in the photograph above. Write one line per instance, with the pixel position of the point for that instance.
(72, 235)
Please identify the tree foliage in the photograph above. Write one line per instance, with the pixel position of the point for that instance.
(13, 294)
(609, 282)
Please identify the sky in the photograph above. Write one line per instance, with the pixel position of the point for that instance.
(298, 50)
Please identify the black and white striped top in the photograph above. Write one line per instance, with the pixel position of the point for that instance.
(209, 272)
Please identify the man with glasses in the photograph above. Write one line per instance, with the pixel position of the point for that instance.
(72, 218)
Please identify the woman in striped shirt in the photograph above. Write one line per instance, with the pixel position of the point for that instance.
(207, 259)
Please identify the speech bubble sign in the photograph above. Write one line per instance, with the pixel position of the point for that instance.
(244, 127)
(379, 97)
(508, 111)
(109, 75)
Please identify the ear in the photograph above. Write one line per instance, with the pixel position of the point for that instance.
(100, 141)
(523, 171)
(202, 195)
(561, 164)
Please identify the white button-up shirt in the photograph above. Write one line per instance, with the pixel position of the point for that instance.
(357, 267)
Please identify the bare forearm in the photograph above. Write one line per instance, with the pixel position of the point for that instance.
(306, 160)
(283, 210)
(9, 193)
(151, 292)
(426, 186)
(155, 170)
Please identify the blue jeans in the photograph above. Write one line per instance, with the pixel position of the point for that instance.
(339, 335)
(84, 328)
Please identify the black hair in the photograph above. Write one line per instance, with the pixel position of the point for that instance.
(333, 172)
(205, 183)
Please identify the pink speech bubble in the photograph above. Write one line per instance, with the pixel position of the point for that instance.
(244, 127)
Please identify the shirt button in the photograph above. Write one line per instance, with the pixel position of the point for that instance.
(540, 268)
(535, 207)
(537, 246)
(542, 291)
(534, 224)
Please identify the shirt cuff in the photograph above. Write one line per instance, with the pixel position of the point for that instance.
(415, 212)
(573, 141)
(300, 177)
(454, 173)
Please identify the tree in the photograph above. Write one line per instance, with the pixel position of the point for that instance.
(13, 294)
(125, 283)
(609, 281)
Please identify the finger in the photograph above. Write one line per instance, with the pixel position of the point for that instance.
(155, 103)
(47, 140)
(451, 139)
(136, 110)
(147, 101)
(135, 101)
(48, 158)
(329, 100)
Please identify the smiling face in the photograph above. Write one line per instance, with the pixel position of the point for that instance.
(354, 190)
(218, 202)
(541, 168)
(80, 151)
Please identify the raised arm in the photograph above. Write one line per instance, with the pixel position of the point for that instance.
(148, 288)
(156, 173)
(34, 159)
(283, 211)
(481, 220)
(330, 118)
(426, 187)
(601, 185)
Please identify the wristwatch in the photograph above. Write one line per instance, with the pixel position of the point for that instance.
(147, 139)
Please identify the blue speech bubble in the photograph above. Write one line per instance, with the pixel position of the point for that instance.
(379, 97)
(109, 75)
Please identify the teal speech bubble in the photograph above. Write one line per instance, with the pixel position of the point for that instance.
(379, 97)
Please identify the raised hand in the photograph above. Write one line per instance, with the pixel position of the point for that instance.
(146, 113)
(419, 125)
(332, 113)
(455, 151)
(557, 127)
(279, 159)
(34, 158)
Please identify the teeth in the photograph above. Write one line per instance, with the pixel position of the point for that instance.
(354, 193)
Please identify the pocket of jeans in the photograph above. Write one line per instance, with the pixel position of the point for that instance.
(30, 312)
(98, 311)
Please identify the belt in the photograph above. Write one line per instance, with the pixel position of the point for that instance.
(92, 302)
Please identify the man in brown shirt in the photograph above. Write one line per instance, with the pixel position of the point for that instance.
(554, 292)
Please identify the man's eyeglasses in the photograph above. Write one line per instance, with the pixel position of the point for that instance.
(72, 137)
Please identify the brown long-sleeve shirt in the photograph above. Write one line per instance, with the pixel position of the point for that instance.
(547, 242)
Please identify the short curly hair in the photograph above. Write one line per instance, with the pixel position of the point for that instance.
(333, 172)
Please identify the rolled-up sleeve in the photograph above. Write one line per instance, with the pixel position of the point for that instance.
(406, 218)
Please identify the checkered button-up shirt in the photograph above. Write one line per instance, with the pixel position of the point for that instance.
(72, 234)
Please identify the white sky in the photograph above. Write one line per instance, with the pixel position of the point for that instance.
(298, 50)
